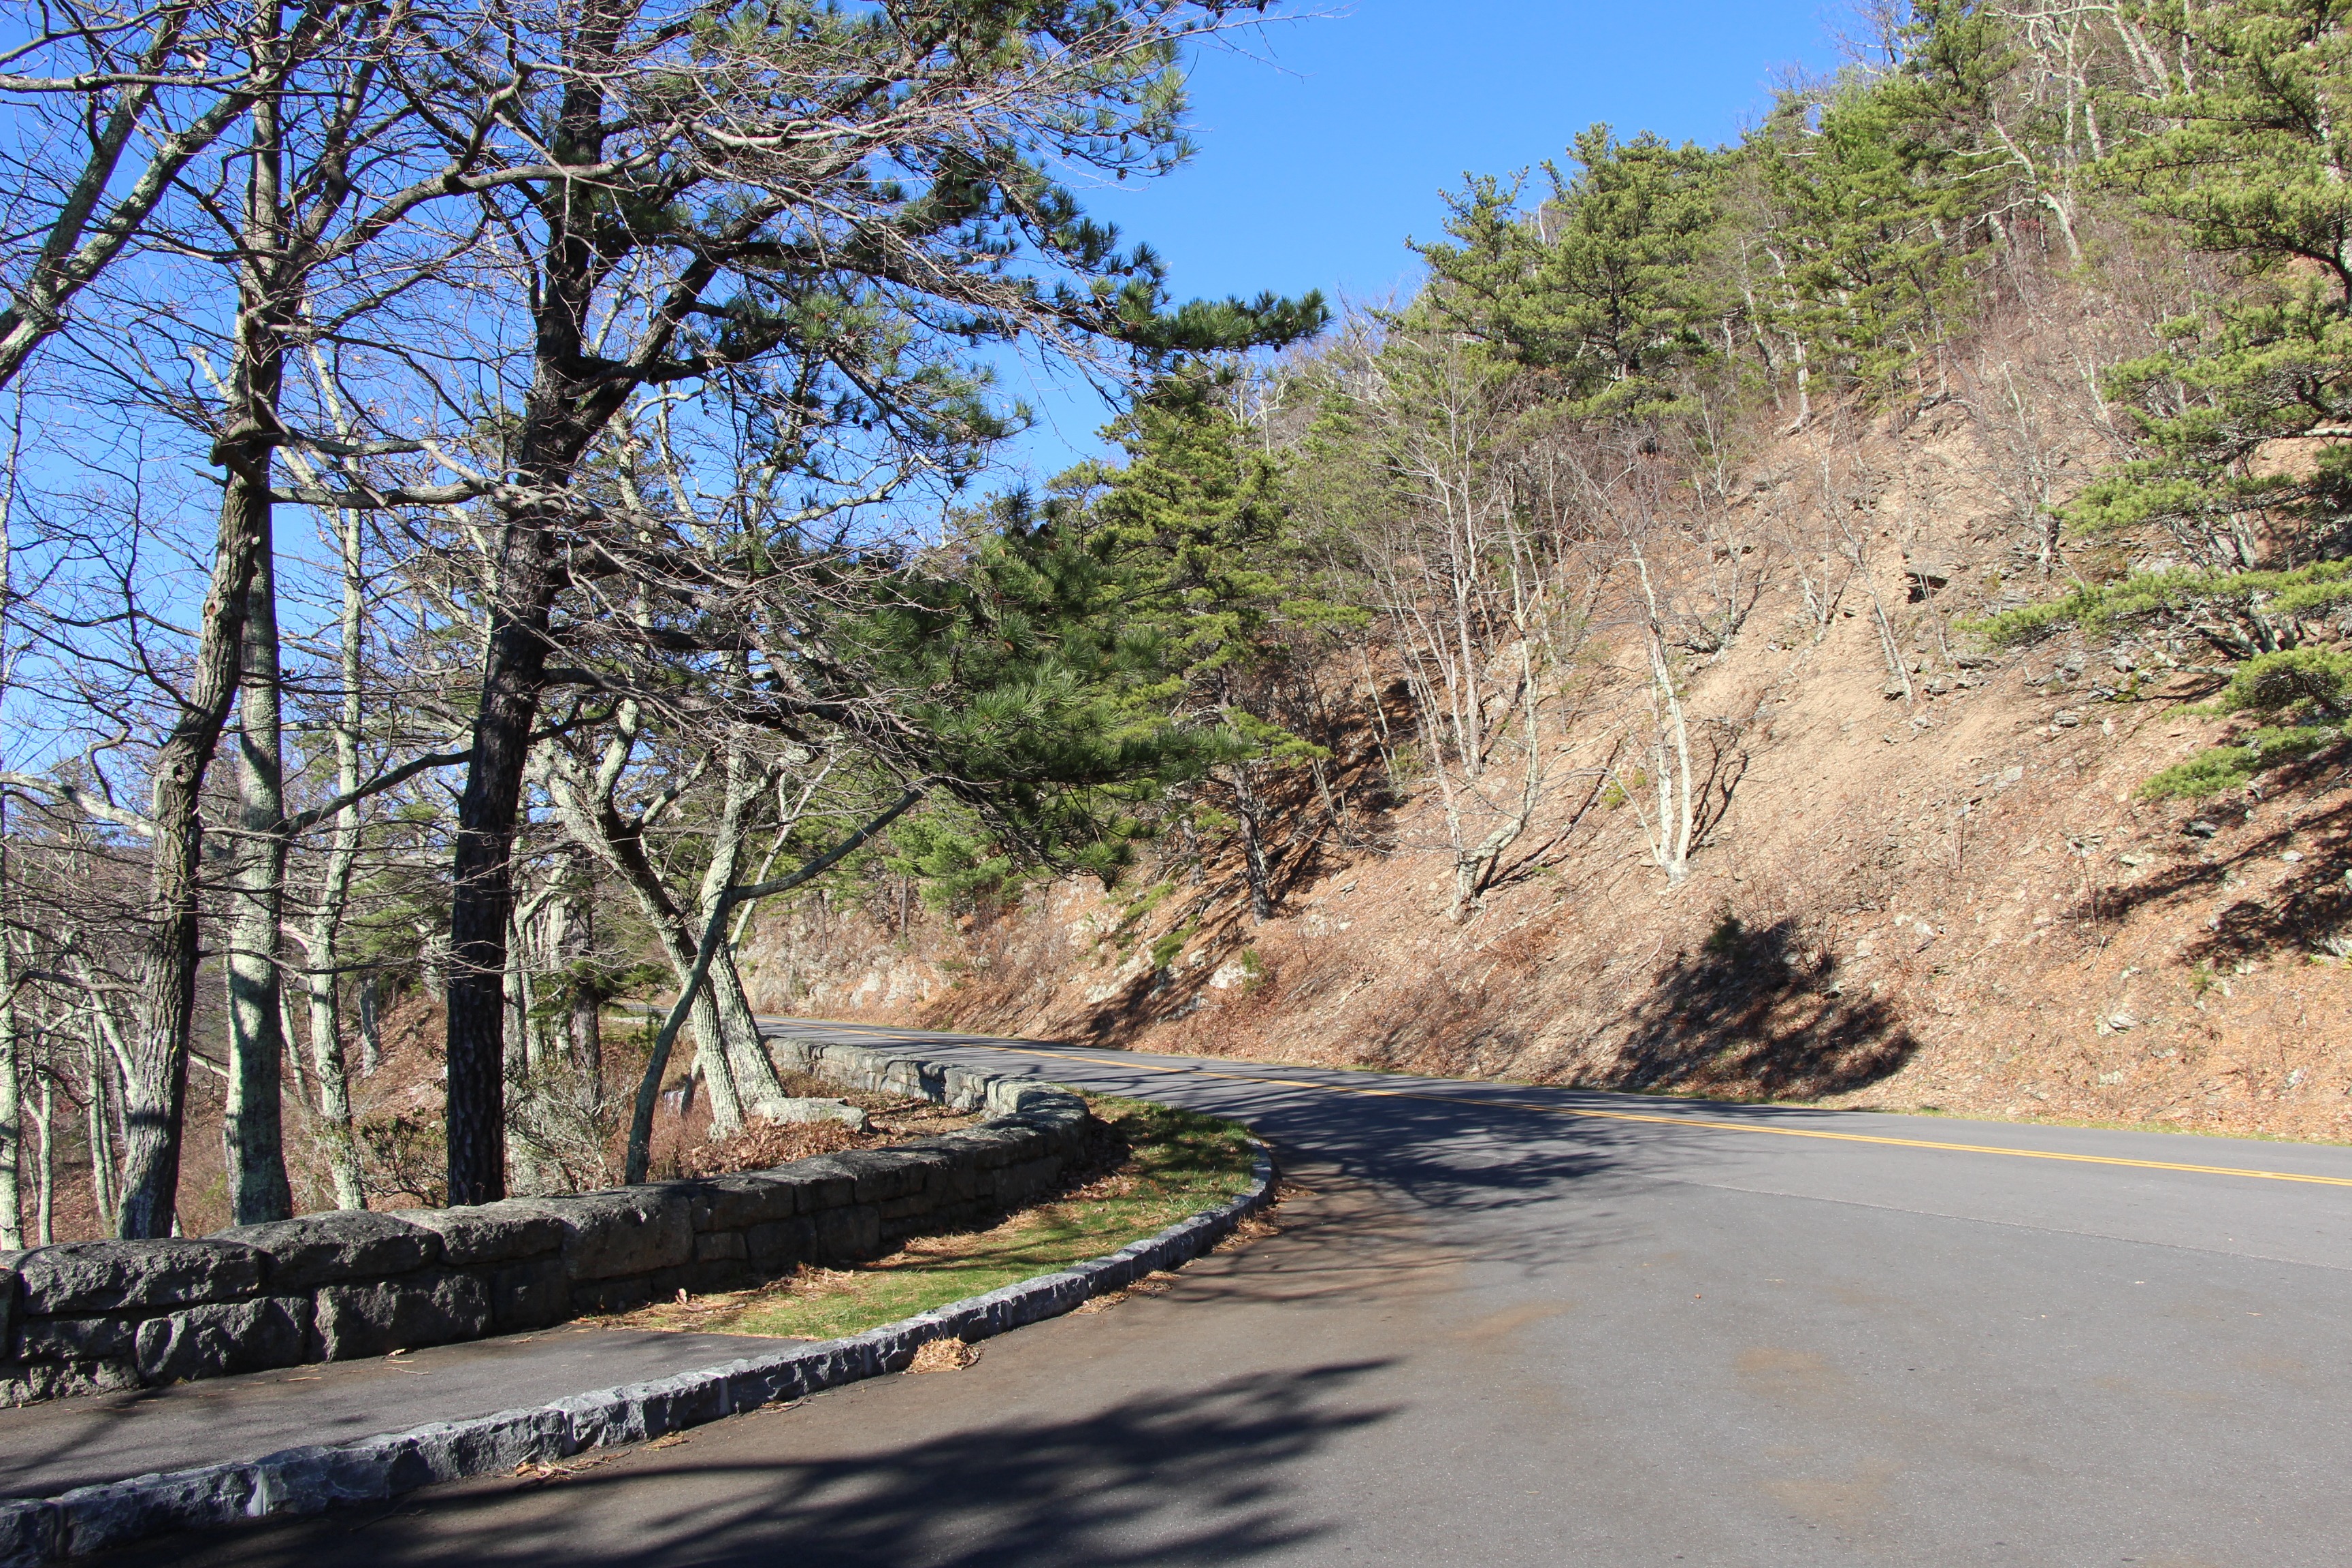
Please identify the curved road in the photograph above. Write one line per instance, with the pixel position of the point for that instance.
(1503, 1326)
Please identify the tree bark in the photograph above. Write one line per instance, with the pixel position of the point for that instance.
(252, 1125)
(328, 1057)
(584, 1028)
(12, 1142)
(754, 1072)
(482, 900)
(154, 1093)
(44, 1207)
(101, 1141)
(1251, 810)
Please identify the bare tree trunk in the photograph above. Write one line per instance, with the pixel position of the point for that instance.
(482, 900)
(371, 1026)
(155, 1087)
(327, 1055)
(753, 1072)
(1251, 810)
(1671, 832)
(586, 1030)
(45, 1206)
(156, 1090)
(252, 1126)
(596, 825)
(12, 1142)
(101, 1142)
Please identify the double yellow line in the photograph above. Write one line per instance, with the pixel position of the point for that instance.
(1459, 1101)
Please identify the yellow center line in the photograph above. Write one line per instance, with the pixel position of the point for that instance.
(1589, 1114)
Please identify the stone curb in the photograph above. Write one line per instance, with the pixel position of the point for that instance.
(301, 1481)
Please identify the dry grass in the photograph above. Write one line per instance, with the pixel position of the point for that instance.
(944, 1355)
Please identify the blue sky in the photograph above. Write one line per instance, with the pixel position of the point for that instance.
(1324, 141)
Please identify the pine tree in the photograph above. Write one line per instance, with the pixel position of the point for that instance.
(2241, 419)
(1600, 284)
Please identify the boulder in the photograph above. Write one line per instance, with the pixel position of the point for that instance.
(114, 1276)
(325, 1249)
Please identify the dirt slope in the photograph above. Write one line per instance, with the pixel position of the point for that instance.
(1951, 899)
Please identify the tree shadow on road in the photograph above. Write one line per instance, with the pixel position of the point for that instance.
(1163, 1478)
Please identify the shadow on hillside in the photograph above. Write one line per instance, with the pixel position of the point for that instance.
(1161, 1478)
(2310, 912)
(1757, 1012)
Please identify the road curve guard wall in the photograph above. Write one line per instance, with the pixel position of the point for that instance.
(88, 1316)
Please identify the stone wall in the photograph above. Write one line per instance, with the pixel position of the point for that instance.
(88, 1316)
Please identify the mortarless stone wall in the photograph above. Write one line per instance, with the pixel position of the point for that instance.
(88, 1316)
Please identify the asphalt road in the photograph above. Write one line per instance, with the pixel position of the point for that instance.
(1504, 1326)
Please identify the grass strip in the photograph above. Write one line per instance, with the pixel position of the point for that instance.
(1178, 1163)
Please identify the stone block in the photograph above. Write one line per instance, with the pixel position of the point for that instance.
(991, 1148)
(491, 1233)
(880, 1174)
(820, 1182)
(897, 1215)
(431, 1308)
(79, 1276)
(848, 1235)
(96, 1519)
(717, 1244)
(327, 1248)
(531, 1294)
(78, 1339)
(629, 1230)
(1019, 1184)
(739, 1203)
(31, 1383)
(28, 1531)
(781, 1244)
(957, 1183)
(223, 1337)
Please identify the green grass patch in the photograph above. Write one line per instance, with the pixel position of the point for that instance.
(1179, 1162)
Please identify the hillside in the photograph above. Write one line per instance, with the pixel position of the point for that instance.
(1952, 900)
